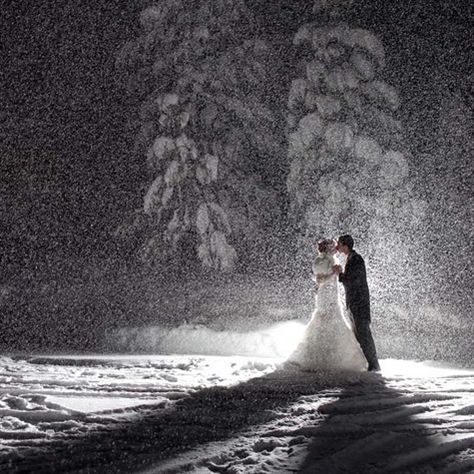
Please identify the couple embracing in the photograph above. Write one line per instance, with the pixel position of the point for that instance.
(334, 341)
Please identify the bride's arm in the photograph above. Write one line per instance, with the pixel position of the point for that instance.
(322, 277)
(322, 270)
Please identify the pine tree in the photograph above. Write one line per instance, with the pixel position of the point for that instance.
(349, 168)
(201, 72)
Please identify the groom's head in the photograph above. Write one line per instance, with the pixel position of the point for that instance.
(345, 243)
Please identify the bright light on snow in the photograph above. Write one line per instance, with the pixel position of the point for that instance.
(274, 415)
(414, 369)
(285, 337)
(276, 340)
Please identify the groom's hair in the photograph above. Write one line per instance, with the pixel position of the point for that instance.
(346, 240)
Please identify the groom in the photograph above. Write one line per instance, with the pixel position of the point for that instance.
(354, 279)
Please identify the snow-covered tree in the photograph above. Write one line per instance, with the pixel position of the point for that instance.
(349, 168)
(200, 73)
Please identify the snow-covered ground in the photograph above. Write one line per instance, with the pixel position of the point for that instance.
(193, 413)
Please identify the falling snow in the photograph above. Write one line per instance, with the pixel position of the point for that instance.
(165, 170)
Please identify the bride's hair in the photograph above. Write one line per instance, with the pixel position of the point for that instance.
(324, 245)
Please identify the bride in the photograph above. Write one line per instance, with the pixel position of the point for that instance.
(328, 343)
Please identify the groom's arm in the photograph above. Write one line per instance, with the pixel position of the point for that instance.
(355, 270)
(337, 269)
(342, 276)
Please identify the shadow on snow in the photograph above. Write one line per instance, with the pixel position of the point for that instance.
(365, 424)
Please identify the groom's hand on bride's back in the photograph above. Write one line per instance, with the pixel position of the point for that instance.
(320, 277)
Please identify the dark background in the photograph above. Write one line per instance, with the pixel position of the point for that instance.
(67, 171)
(69, 175)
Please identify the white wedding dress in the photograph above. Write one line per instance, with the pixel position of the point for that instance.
(328, 343)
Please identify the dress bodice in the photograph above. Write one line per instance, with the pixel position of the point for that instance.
(327, 295)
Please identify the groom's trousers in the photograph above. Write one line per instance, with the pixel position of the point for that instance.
(364, 337)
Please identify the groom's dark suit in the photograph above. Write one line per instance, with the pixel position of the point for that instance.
(354, 279)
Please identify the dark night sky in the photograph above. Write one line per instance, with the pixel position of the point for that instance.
(64, 116)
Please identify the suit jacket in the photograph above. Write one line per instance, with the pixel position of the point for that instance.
(354, 279)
